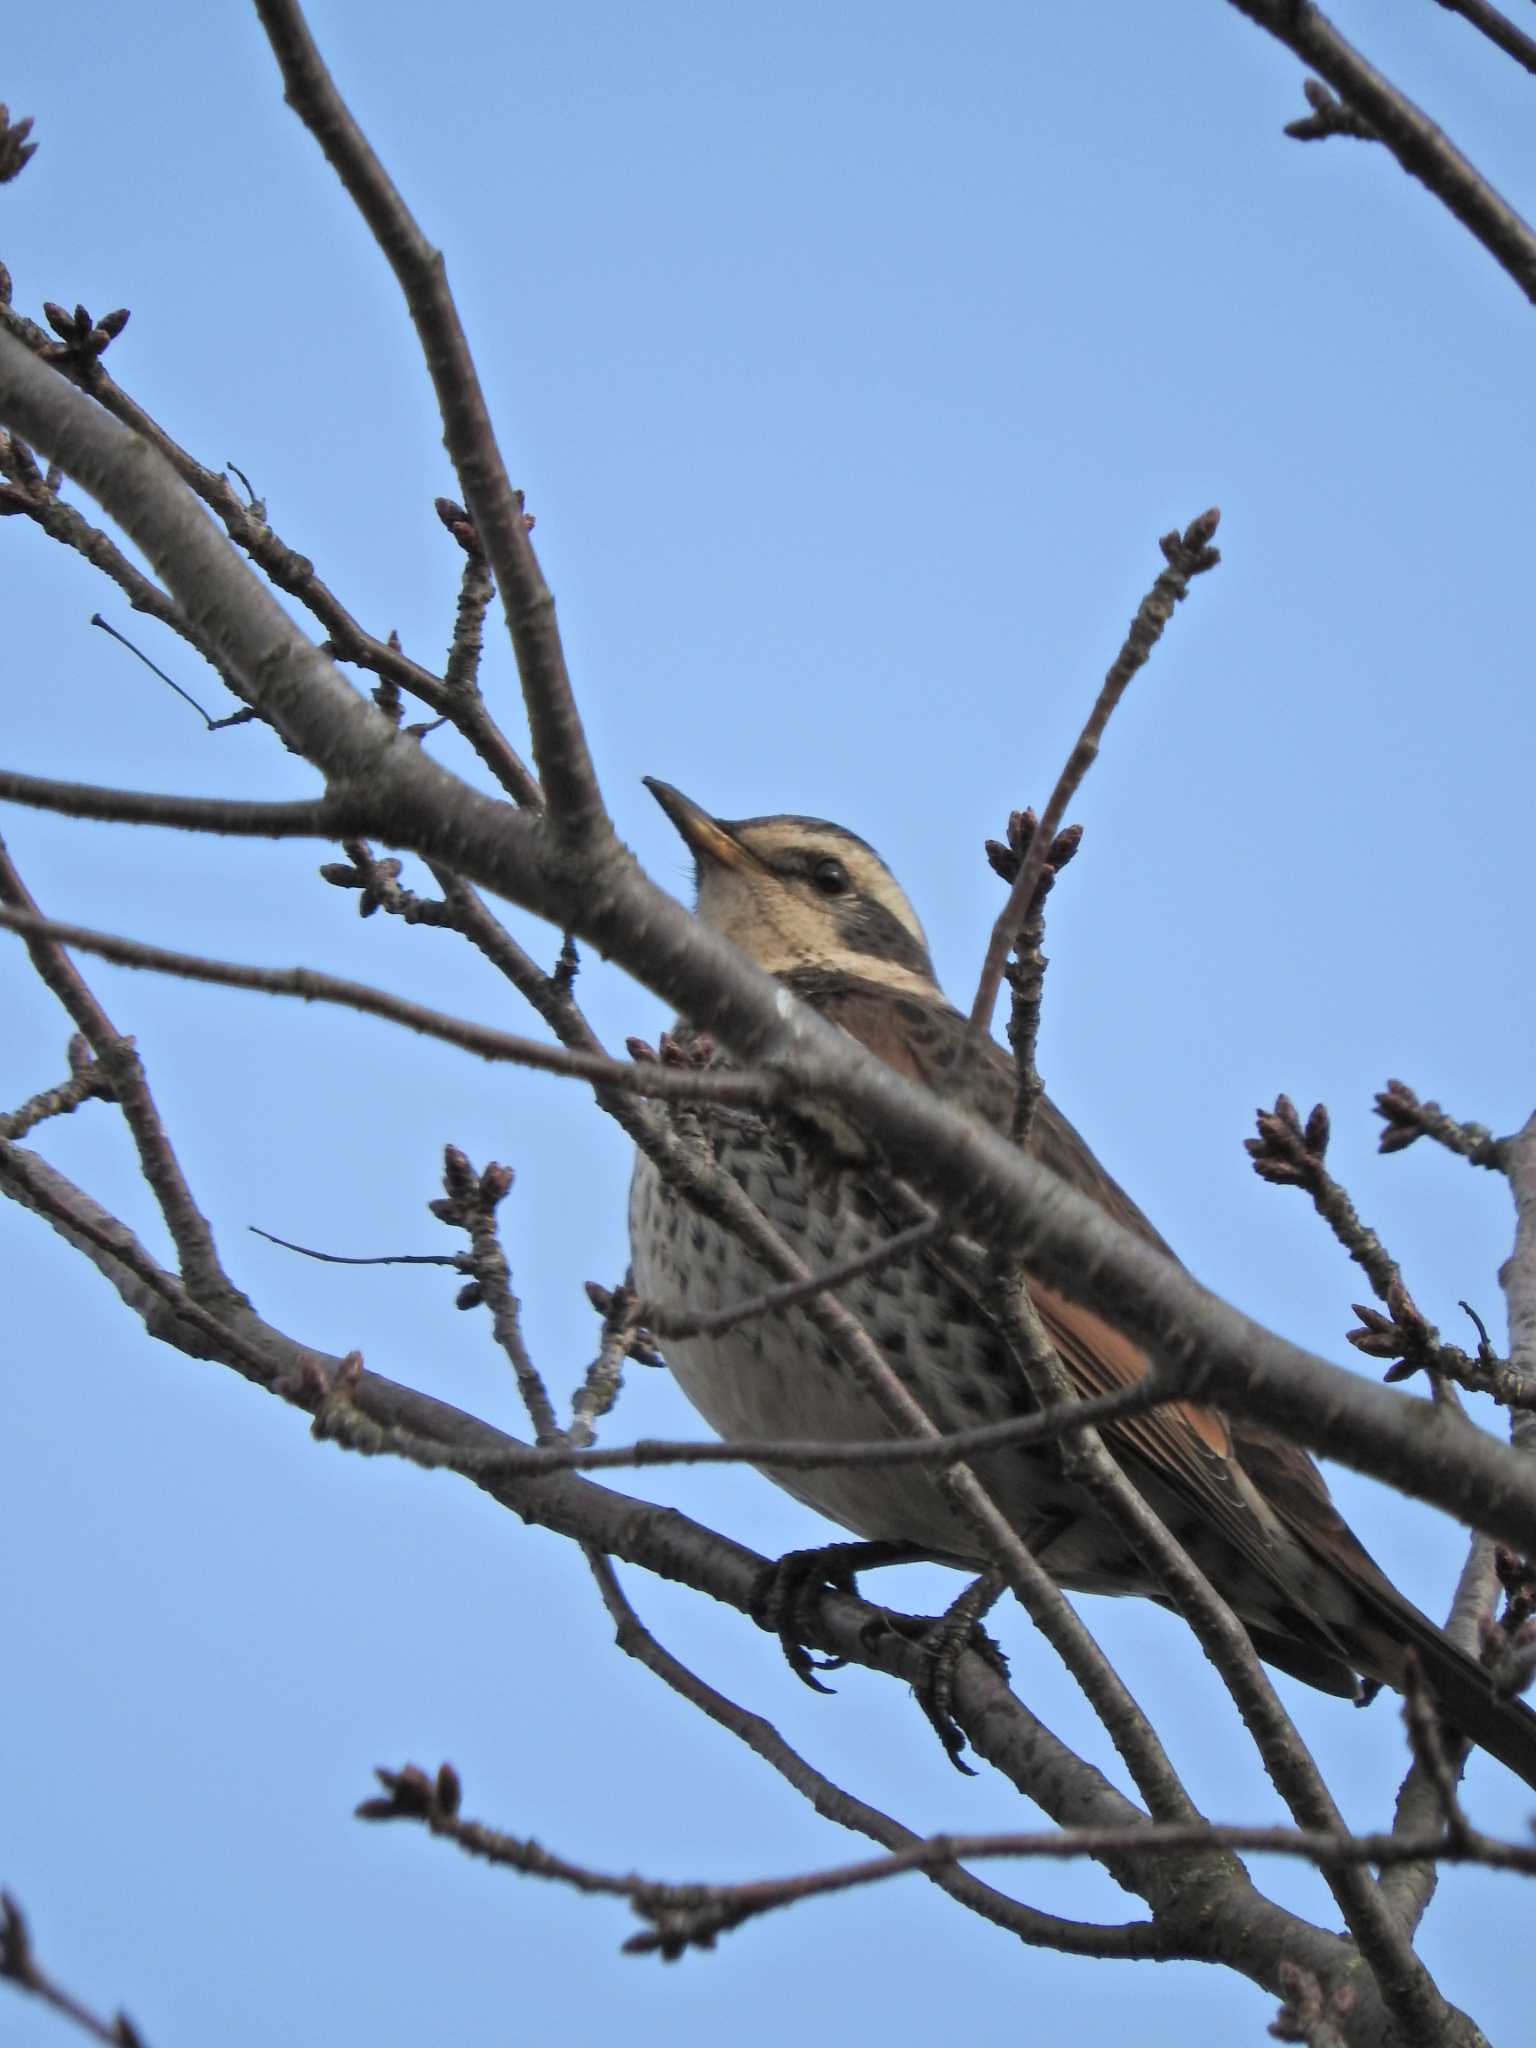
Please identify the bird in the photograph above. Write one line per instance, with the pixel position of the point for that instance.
(816, 907)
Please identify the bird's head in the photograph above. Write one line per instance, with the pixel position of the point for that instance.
(800, 894)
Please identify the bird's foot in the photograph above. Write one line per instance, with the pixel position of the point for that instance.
(785, 1591)
(943, 1643)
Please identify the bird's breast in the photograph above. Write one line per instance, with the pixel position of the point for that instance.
(778, 1376)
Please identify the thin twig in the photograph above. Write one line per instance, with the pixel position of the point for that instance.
(733, 1086)
(70, 528)
(469, 1202)
(240, 717)
(201, 1269)
(90, 1084)
(19, 1966)
(684, 1915)
(457, 1260)
(476, 588)
(1188, 554)
(1026, 970)
(664, 1321)
(1407, 1118)
(1288, 1153)
(604, 1377)
(807, 1455)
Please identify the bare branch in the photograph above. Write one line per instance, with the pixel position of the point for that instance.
(1026, 971)
(1329, 116)
(1289, 1155)
(1497, 27)
(240, 717)
(809, 1455)
(1406, 1119)
(469, 1203)
(312, 985)
(317, 818)
(1188, 554)
(601, 1382)
(1422, 149)
(19, 1964)
(205, 1277)
(690, 1915)
(476, 588)
(28, 492)
(565, 767)
(666, 1322)
(88, 1083)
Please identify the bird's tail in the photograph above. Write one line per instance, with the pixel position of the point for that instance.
(1392, 1627)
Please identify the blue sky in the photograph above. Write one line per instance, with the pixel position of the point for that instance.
(852, 365)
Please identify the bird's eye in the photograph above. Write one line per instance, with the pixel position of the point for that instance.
(831, 877)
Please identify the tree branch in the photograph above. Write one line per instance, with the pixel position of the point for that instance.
(1422, 149)
(1188, 554)
(313, 985)
(1138, 1938)
(569, 782)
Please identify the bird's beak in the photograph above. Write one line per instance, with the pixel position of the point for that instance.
(705, 837)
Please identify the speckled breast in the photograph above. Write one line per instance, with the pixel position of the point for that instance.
(778, 1376)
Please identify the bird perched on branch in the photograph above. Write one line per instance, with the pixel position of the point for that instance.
(817, 907)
